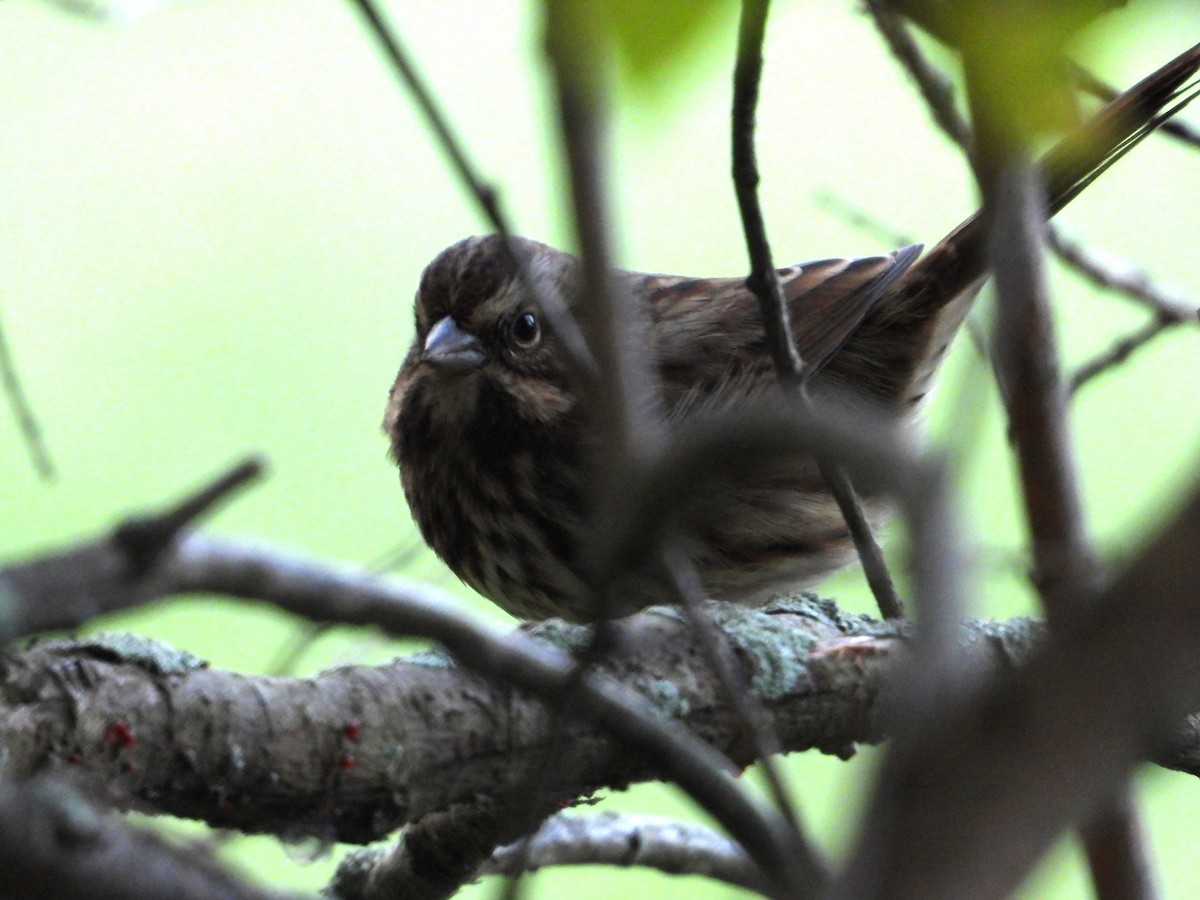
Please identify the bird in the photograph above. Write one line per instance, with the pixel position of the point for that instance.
(494, 440)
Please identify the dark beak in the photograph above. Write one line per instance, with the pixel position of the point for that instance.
(449, 346)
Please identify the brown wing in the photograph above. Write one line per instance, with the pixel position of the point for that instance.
(830, 298)
(707, 331)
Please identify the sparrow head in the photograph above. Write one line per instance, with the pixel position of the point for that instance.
(480, 352)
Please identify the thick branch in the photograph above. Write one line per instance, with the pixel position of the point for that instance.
(357, 751)
(1066, 570)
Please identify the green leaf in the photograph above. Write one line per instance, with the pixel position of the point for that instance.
(651, 36)
(1018, 51)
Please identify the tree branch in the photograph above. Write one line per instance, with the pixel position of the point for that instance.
(486, 196)
(763, 282)
(158, 731)
(54, 843)
(22, 409)
(1120, 351)
(1001, 777)
(1110, 272)
(616, 839)
(113, 572)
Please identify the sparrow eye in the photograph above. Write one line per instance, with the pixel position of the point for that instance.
(526, 331)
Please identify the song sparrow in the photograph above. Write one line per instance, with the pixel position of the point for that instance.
(493, 442)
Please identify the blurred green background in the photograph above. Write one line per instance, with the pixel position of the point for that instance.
(214, 219)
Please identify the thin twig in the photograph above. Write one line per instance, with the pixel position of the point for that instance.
(1118, 856)
(1112, 273)
(290, 653)
(764, 283)
(1108, 272)
(143, 538)
(398, 557)
(690, 592)
(27, 422)
(1119, 351)
(1026, 355)
(935, 87)
(862, 219)
(558, 317)
(620, 839)
(763, 279)
(62, 591)
(620, 408)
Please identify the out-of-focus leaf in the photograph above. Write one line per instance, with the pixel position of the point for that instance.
(1017, 49)
(650, 36)
(109, 10)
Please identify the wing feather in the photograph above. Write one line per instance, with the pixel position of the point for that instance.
(708, 332)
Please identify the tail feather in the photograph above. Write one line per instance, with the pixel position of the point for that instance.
(951, 273)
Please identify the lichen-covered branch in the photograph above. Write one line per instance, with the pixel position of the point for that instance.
(357, 751)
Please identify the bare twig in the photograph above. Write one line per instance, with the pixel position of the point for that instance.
(1066, 572)
(1065, 568)
(1117, 851)
(113, 572)
(558, 318)
(1120, 351)
(444, 850)
(884, 232)
(617, 839)
(22, 409)
(143, 538)
(934, 86)
(1115, 274)
(399, 557)
(1105, 271)
(763, 279)
(764, 283)
(879, 579)
(611, 322)
(690, 591)
(291, 652)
